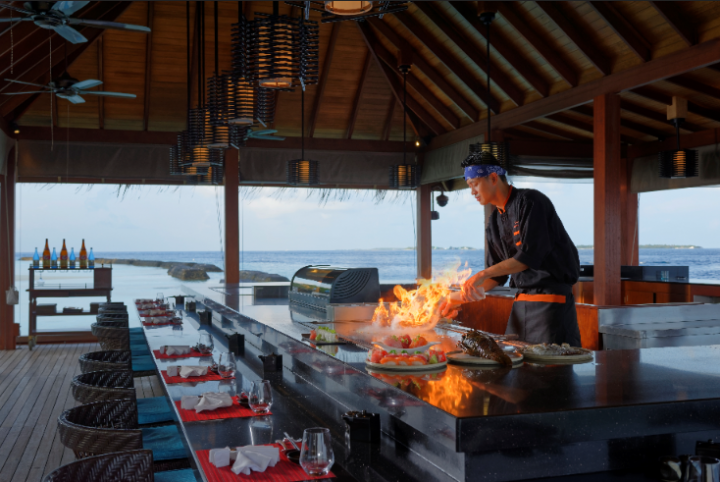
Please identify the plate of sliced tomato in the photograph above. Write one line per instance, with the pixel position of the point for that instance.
(406, 360)
(405, 342)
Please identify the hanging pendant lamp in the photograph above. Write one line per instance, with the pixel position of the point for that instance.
(488, 152)
(404, 176)
(678, 163)
(276, 51)
(302, 172)
(348, 8)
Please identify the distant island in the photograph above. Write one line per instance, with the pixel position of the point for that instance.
(652, 246)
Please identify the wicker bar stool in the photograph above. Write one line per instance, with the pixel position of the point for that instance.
(120, 338)
(117, 385)
(137, 335)
(112, 360)
(111, 426)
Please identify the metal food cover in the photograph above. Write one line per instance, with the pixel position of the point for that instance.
(317, 286)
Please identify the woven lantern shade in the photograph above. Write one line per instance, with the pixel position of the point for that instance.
(239, 136)
(678, 163)
(348, 8)
(496, 153)
(302, 172)
(405, 176)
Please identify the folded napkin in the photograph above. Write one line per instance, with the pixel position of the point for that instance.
(213, 400)
(175, 350)
(189, 402)
(257, 458)
(186, 371)
(221, 457)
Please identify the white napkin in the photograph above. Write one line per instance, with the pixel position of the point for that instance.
(220, 457)
(175, 350)
(255, 458)
(213, 400)
(189, 402)
(272, 453)
(186, 371)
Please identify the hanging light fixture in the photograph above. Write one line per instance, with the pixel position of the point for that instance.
(404, 176)
(348, 8)
(488, 152)
(302, 172)
(678, 163)
(277, 51)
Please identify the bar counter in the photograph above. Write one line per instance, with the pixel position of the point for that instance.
(617, 413)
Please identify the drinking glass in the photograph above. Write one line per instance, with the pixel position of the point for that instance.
(261, 430)
(260, 398)
(703, 469)
(160, 298)
(205, 344)
(226, 364)
(316, 454)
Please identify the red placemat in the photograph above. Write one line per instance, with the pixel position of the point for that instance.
(210, 377)
(193, 353)
(236, 411)
(284, 471)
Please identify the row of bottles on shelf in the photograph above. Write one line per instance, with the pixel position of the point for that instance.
(50, 261)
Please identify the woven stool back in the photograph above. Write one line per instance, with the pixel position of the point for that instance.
(130, 466)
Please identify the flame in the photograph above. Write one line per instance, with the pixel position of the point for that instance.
(419, 308)
(453, 395)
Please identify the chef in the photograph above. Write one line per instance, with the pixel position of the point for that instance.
(527, 242)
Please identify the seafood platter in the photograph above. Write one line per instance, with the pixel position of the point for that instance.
(405, 353)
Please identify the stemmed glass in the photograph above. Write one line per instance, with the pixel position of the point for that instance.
(260, 399)
(205, 344)
(316, 454)
(226, 364)
(159, 298)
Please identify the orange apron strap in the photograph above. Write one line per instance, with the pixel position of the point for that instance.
(541, 298)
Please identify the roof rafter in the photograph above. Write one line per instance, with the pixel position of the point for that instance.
(530, 34)
(654, 115)
(585, 125)
(662, 98)
(418, 61)
(101, 78)
(148, 65)
(539, 126)
(388, 119)
(696, 85)
(674, 17)
(358, 96)
(636, 126)
(499, 78)
(504, 48)
(320, 89)
(449, 59)
(624, 29)
(578, 37)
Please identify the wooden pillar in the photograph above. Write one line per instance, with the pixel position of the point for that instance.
(630, 243)
(607, 178)
(232, 224)
(424, 232)
(8, 328)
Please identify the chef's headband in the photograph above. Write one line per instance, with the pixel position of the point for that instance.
(483, 170)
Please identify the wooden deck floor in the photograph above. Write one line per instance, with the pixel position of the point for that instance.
(34, 391)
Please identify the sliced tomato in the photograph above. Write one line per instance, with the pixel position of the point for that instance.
(377, 355)
(418, 341)
(406, 341)
(313, 335)
(440, 356)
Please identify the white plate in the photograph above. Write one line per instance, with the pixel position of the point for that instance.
(409, 350)
(465, 359)
(403, 368)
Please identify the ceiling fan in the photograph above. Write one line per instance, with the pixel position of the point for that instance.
(265, 134)
(56, 16)
(70, 89)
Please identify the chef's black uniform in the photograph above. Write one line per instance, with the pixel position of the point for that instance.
(529, 230)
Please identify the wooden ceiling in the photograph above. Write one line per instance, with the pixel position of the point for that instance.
(540, 50)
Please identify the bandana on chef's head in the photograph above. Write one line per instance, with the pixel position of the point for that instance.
(483, 170)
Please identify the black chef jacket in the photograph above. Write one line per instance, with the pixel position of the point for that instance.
(529, 230)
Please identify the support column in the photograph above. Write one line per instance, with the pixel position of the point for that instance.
(424, 232)
(8, 328)
(232, 224)
(630, 243)
(607, 178)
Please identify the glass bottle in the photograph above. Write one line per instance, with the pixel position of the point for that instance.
(91, 259)
(83, 256)
(63, 256)
(36, 259)
(46, 255)
(53, 260)
(72, 258)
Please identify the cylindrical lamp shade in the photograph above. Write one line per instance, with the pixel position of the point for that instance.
(405, 176)
(244, 98)
(199, 128)
(301, 172)
(679, 163)
(175, 160)
(239, 136)
(348, 8)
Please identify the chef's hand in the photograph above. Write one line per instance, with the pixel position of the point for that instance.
(451, 304)
(473, 286)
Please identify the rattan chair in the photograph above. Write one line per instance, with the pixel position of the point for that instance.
(131, 466)
(112, 360)
(111, 426)
(104, 385)
(113, 322)
(111, 338)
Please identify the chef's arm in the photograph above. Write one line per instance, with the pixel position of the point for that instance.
(503, 268)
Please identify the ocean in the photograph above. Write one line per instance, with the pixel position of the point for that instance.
(395, 266)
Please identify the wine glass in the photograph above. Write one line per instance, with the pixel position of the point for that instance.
(226, 364)
(260, 398)
(160, 298)
(205, 343)
(316, 454)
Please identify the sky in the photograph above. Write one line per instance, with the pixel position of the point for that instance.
(152, 218)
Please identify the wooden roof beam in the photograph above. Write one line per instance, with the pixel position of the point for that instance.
(504, 47)
(101, 78)
(697, 86)
(374, 45)
(539, 126)
(673, 15)
(585, 125)
(449, 59)
(654, 115)
(388, 119)
(662, 98)
(327, 64)
(530, 34)
(358, 96)
(148, 65)
(407, 50)
(578, 37)
(624, 29)
(636, 126)
(498, 77)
